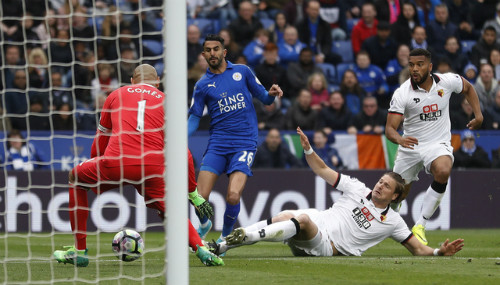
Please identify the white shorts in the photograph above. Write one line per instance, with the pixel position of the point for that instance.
(409, 162)
(320, 245)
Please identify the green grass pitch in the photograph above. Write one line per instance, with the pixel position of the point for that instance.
(263, 263)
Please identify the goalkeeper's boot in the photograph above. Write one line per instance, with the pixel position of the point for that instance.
(208, 258)
(419, 232)
(73, 256)
(203, 231)
(236, 237)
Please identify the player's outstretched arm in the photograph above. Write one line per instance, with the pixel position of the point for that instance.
(315, 162)
(446, 249)
(473, 99)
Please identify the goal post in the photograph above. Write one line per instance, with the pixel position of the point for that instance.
(176, 145)
(34, 203)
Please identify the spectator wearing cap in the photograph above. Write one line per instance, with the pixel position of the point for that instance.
(470, 73)
(495, 22)
(470, 155)
(381, 48)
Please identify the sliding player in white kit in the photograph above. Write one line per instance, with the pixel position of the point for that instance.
(423, 102)
(360, 219)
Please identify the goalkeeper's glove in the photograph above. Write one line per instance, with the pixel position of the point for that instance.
(202, 205)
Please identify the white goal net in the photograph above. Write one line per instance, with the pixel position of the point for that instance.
(59, 60)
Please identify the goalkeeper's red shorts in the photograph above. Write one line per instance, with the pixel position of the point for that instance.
(148, 180)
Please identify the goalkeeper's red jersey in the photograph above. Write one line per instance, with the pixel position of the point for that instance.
(135, 116)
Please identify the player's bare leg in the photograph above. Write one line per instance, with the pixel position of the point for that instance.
(206, 182)
(237, 181)
(284, 227)
(440, 169)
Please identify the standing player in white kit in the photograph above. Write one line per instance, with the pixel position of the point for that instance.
(423, 102)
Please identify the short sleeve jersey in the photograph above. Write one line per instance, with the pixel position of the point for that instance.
(355, 224)
(135, 116)
(426, 114)
(228, 97)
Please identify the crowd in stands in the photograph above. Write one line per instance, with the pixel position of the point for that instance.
(337, 61)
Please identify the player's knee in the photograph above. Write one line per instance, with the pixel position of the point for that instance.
(441, 174)
(233, 198)
(283, 216)
(303, 220)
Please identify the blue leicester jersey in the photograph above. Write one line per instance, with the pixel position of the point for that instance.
(228, 97)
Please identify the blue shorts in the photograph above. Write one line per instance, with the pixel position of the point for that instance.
(228, 163)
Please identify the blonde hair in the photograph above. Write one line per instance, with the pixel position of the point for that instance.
(321, 76)
(37, 52)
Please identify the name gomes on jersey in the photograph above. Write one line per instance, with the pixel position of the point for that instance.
(430, 113)
(231, 103)
(141, 90)
(362, 217)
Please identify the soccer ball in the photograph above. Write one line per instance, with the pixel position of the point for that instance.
(128, 245)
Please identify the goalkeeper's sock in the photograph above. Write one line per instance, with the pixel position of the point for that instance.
(275, 232)
(78, 215)
(432, 199)
(194, 238)
(258, 225)
(230, 217)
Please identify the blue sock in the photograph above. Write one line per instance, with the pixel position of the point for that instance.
(230, 217)
(202, 220)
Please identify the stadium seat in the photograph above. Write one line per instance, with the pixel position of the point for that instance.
(344, 49)
(350, 24)
(98, 23)
(158, 24)
(206, 26)
(341, 68)
(267, 23)
(467, 46)
(153, 46)
(159, 66)
(329, 72)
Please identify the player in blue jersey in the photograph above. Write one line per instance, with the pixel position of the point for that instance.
(227, 90)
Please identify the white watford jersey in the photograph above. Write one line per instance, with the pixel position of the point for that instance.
(426, 114)
(354, 224)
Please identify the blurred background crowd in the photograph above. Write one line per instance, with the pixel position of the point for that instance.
(338, 61)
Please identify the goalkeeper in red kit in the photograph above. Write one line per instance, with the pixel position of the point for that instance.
(128, 149)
